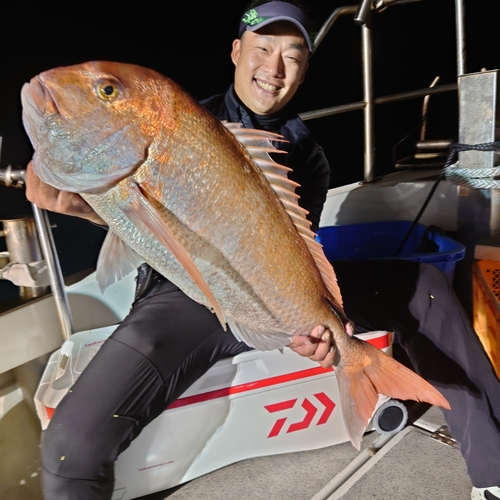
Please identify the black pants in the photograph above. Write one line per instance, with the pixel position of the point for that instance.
(168, 341)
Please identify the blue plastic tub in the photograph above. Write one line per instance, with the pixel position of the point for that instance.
(381, 240)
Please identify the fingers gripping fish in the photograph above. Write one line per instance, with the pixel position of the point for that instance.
(204, 204)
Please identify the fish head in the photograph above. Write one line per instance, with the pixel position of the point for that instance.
(92, 124)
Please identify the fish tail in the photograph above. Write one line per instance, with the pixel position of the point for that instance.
(372, 372)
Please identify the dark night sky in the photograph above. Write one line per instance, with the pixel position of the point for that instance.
(413, 43)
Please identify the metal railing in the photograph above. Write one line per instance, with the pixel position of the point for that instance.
(362, 13)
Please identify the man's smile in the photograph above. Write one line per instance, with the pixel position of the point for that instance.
(267, 86)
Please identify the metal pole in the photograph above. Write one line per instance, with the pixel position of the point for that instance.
(460, 35)
(341, 11)
(363, 12)
(54, 268)
(366, 40)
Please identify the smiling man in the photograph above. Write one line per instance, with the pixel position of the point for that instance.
(168, 340)
(270, 62)
(270, 66)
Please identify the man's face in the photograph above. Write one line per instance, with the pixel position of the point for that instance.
(270, 65)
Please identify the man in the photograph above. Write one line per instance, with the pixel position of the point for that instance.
(168, 341)
(271, 58)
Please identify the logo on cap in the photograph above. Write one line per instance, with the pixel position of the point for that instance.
(251, 18)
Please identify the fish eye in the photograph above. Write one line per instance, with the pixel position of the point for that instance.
(107, 91)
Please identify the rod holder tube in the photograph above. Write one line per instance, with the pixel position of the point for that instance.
(21, 240)
(23, 247)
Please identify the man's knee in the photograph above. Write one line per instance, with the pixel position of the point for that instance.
(70, 469)
(62, 488)
(79, 449)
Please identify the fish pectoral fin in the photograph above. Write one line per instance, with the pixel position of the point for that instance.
(140, 209)
(259, 341)
(374, 373)
(116, 260)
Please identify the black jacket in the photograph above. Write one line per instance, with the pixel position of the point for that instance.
(305, 157)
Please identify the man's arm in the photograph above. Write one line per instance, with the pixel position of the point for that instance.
(62, 202)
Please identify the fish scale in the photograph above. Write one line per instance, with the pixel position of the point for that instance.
(227, 271)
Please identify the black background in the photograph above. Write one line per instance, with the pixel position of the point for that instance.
(191, 42)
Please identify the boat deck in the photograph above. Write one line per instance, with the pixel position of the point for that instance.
(410, 464)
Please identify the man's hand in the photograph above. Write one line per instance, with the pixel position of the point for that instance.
(62, 202)
(318, 346)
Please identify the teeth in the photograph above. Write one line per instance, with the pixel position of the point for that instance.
(267, 86)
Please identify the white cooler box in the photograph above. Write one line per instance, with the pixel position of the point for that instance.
(254, 404)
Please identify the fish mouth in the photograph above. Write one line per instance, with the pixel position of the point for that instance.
(37, 96)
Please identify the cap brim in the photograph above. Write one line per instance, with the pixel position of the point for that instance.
(287, 19)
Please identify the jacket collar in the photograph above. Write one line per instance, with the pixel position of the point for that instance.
(290, 125)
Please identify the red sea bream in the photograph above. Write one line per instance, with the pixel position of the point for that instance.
(203, 203)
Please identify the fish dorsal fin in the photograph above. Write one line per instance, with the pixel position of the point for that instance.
(116, 260)
(142, 208)
(258, 144)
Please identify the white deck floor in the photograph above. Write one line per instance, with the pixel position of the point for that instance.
(411, 465)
